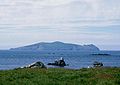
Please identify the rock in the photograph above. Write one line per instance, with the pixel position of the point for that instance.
(60, 63)
(35, 65)
(97, 64)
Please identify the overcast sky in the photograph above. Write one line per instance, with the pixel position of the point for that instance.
(24, 22)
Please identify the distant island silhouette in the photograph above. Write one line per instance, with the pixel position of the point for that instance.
(57, 46)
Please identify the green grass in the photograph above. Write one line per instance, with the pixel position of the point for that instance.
(60, 76)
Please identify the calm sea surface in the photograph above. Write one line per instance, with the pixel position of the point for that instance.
(76, 60)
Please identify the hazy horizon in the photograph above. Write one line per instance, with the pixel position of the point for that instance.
(80, 22)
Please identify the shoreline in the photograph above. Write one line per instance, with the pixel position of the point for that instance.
(62, 68)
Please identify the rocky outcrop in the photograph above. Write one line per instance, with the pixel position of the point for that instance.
(35, 65)
(97, 64)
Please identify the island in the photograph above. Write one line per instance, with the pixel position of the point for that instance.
(102, 54)
(57, 46)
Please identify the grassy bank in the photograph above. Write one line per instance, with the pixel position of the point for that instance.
(59, 76)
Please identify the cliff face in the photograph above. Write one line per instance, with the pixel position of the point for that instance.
(58, 46)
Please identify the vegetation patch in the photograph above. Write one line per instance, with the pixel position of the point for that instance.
(61, 76)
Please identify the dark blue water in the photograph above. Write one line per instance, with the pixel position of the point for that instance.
(76, 60)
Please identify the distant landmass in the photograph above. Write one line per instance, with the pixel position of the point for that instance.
(57, 46)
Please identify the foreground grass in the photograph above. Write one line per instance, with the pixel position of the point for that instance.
(59, 76)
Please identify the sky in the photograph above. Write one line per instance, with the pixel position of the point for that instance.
(24, 22)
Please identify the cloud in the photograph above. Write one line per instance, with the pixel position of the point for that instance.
(38, 3)
(47, 12)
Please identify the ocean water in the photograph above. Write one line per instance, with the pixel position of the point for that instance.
(76, 60)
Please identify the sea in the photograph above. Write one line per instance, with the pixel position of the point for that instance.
(14, 59)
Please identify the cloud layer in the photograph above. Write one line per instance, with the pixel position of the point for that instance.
(45, 12)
